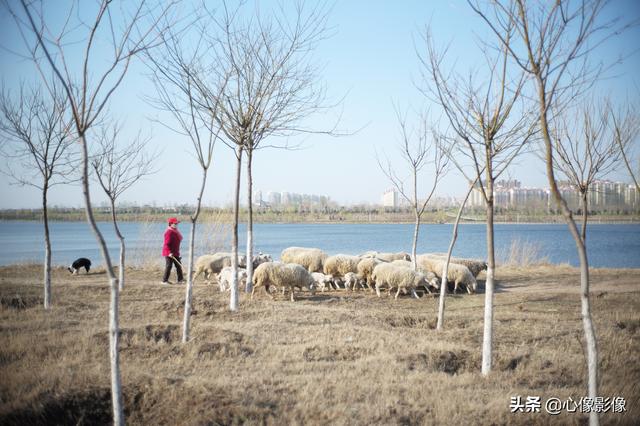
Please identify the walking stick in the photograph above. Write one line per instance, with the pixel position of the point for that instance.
(178, 262)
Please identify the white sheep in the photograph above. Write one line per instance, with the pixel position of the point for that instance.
(285, 275)
(475, 265)
(311, 258)
(400, 277)
(402, 262)
(214, 263)
(225, 276)
(261, 258)
(339, 265)
(368, 254)
(456, 273)
(365, 268)
(322, 281)
(460, 274)
(351, 280)
(390, 257)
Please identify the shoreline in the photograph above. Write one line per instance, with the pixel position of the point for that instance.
(634, 221)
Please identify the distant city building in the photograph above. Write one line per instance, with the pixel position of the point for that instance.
(278, 199)
(603, 195)
(390, 198)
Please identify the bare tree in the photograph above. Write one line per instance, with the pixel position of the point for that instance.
(492, 128)
(445, 267)
(419, 147)
(586, 148)
(35, 129)
(174, 69)
(89, 80)
(118, 169)
(626, 126)
(267, 85)
(554, 41)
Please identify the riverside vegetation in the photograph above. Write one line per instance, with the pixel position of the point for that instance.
(334, 358)
(326, 215)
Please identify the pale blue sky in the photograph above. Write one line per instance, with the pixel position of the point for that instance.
(370, 58)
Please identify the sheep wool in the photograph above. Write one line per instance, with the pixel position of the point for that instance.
(285, 275)
(311, 258)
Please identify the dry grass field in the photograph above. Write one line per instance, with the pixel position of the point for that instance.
(333, 358)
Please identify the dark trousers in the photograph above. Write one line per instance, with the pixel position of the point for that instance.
(167, 268)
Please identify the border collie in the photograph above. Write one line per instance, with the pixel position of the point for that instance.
(82, 262)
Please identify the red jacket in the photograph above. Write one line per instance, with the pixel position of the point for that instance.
(172, 238)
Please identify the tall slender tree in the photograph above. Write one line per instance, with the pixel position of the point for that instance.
(89, 81)
(553, 44)
(266, 84)
(445, 267)
(586, 149)
(174, 68)
(625, 122)
(36, 132)
(486, 112)
(117, 167)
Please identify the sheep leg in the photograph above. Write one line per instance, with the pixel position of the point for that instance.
(397, 292)
(292, 298)
(414, 294)
(266, 288)
(378, 289)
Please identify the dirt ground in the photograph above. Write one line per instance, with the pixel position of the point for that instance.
(334, 358)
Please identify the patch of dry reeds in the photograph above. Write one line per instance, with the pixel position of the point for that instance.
(522, 253)
(212, 235)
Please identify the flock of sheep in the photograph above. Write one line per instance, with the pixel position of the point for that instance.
(311, 268)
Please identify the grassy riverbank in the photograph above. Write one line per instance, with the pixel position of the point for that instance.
(333, 358)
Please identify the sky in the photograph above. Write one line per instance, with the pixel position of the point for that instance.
(369, 65)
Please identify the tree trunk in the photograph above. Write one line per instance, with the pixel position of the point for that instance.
(414, 246)
(487, 339)
(122, 246)
(445, 269)
(186, 321)
(249, 286)
(587, 322)
(47, 249)
(233, 303)
(114, 338)
(585, 217)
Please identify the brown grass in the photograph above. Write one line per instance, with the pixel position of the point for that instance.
(334, 358)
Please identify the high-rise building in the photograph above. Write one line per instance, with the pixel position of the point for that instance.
(390, 198)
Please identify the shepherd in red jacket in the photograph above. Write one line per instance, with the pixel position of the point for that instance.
(171, 250)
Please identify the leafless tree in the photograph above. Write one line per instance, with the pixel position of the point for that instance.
(626, 126)
(486, 113)
(445, 268)
(553, 44)
(267, 85)
(35, 131)
(89, 80)
(587, 148)
(117, 168)
(419, 147)
(175, 68)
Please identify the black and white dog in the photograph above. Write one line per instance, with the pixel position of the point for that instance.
(82, 262)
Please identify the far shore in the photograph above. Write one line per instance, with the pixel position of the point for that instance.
(333, 216)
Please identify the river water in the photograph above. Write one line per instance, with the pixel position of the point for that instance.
(609, 245)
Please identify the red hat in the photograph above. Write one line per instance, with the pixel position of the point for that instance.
(173, 220)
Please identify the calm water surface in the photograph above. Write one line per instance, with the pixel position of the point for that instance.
(615, 246)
